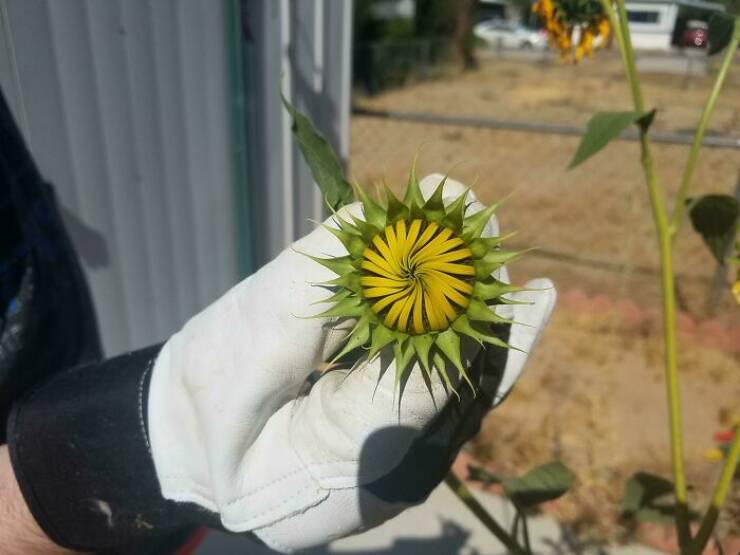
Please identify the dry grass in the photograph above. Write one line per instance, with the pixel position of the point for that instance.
(593, 393)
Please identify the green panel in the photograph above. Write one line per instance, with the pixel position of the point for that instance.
(234, 47)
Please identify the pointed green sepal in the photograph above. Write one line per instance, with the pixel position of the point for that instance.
(368, 231)
(351, 307)
(483, 245)
(449, 343)
(474, 224)
(381, 336)
(434, 207)
(374, 213)
(423, 345)
(441, 366)
(335, 298)
(353, 243)
(480, 311)
(455, 213)
(396, 209)
(491, 288)
(403, 353)
(348, 281)
(462, 325)
(356, 338)
(494, 260)
(413, 196)
(341, 265)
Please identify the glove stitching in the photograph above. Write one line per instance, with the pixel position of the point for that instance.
(265, 512)
(141, 404)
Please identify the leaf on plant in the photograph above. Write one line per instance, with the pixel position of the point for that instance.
(644, 498)
(602, 128)
(321, 159)
(715, 218)
(481, 475)
(544, 483)
(721, 27)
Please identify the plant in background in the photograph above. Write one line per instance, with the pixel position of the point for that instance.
(574, 27)
(715, 217)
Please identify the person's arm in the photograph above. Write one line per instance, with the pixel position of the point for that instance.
(19, 533)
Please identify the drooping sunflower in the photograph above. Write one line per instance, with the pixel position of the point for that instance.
(418, 276)
(573, 26)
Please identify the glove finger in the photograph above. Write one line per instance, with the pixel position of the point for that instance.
(531, 320)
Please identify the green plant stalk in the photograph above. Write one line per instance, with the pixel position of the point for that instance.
(718, 497)
(463, 493)
(668, 286)
(688, 172)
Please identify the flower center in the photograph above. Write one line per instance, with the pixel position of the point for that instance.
(416, 276)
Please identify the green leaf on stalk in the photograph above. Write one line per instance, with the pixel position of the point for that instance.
(649, 498)
(602, 128)
(321, 159)
(721, 28)
(715, 218)
(543, 483)
(479, 474)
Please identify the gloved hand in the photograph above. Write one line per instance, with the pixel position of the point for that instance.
(229, 432)
(231, 435)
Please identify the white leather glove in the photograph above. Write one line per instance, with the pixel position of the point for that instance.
(231, 432)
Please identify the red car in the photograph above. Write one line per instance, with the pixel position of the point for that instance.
(695, 34)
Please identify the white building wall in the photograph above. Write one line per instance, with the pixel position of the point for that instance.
(653, 35)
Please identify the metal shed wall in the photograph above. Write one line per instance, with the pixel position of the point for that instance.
(128, 109)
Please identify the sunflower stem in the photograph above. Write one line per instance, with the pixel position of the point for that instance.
(663, 231)
(462, 492)
(718, 498)
(688, 171)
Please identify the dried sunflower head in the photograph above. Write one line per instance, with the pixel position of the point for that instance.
(418, 275)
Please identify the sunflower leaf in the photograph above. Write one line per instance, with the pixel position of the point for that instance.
(544, 483)
(601, 129)
(715, 218)
(321, 159)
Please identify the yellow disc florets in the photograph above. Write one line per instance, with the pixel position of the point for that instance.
(417, 276)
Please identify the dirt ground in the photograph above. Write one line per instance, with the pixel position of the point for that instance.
(593, 395)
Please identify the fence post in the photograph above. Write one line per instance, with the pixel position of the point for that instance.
(719, 281)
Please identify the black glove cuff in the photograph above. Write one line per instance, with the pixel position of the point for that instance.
(80, 451)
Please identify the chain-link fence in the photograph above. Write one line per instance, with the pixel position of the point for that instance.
(591, 225)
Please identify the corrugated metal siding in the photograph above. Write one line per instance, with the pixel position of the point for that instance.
(301, 47)
(125, 106)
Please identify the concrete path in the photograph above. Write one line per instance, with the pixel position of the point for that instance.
(441, 526)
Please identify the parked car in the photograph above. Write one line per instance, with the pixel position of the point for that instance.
(695, 35)
(500, 33)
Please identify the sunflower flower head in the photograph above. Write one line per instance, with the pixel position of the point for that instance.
(574, 27)
(418, 276)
